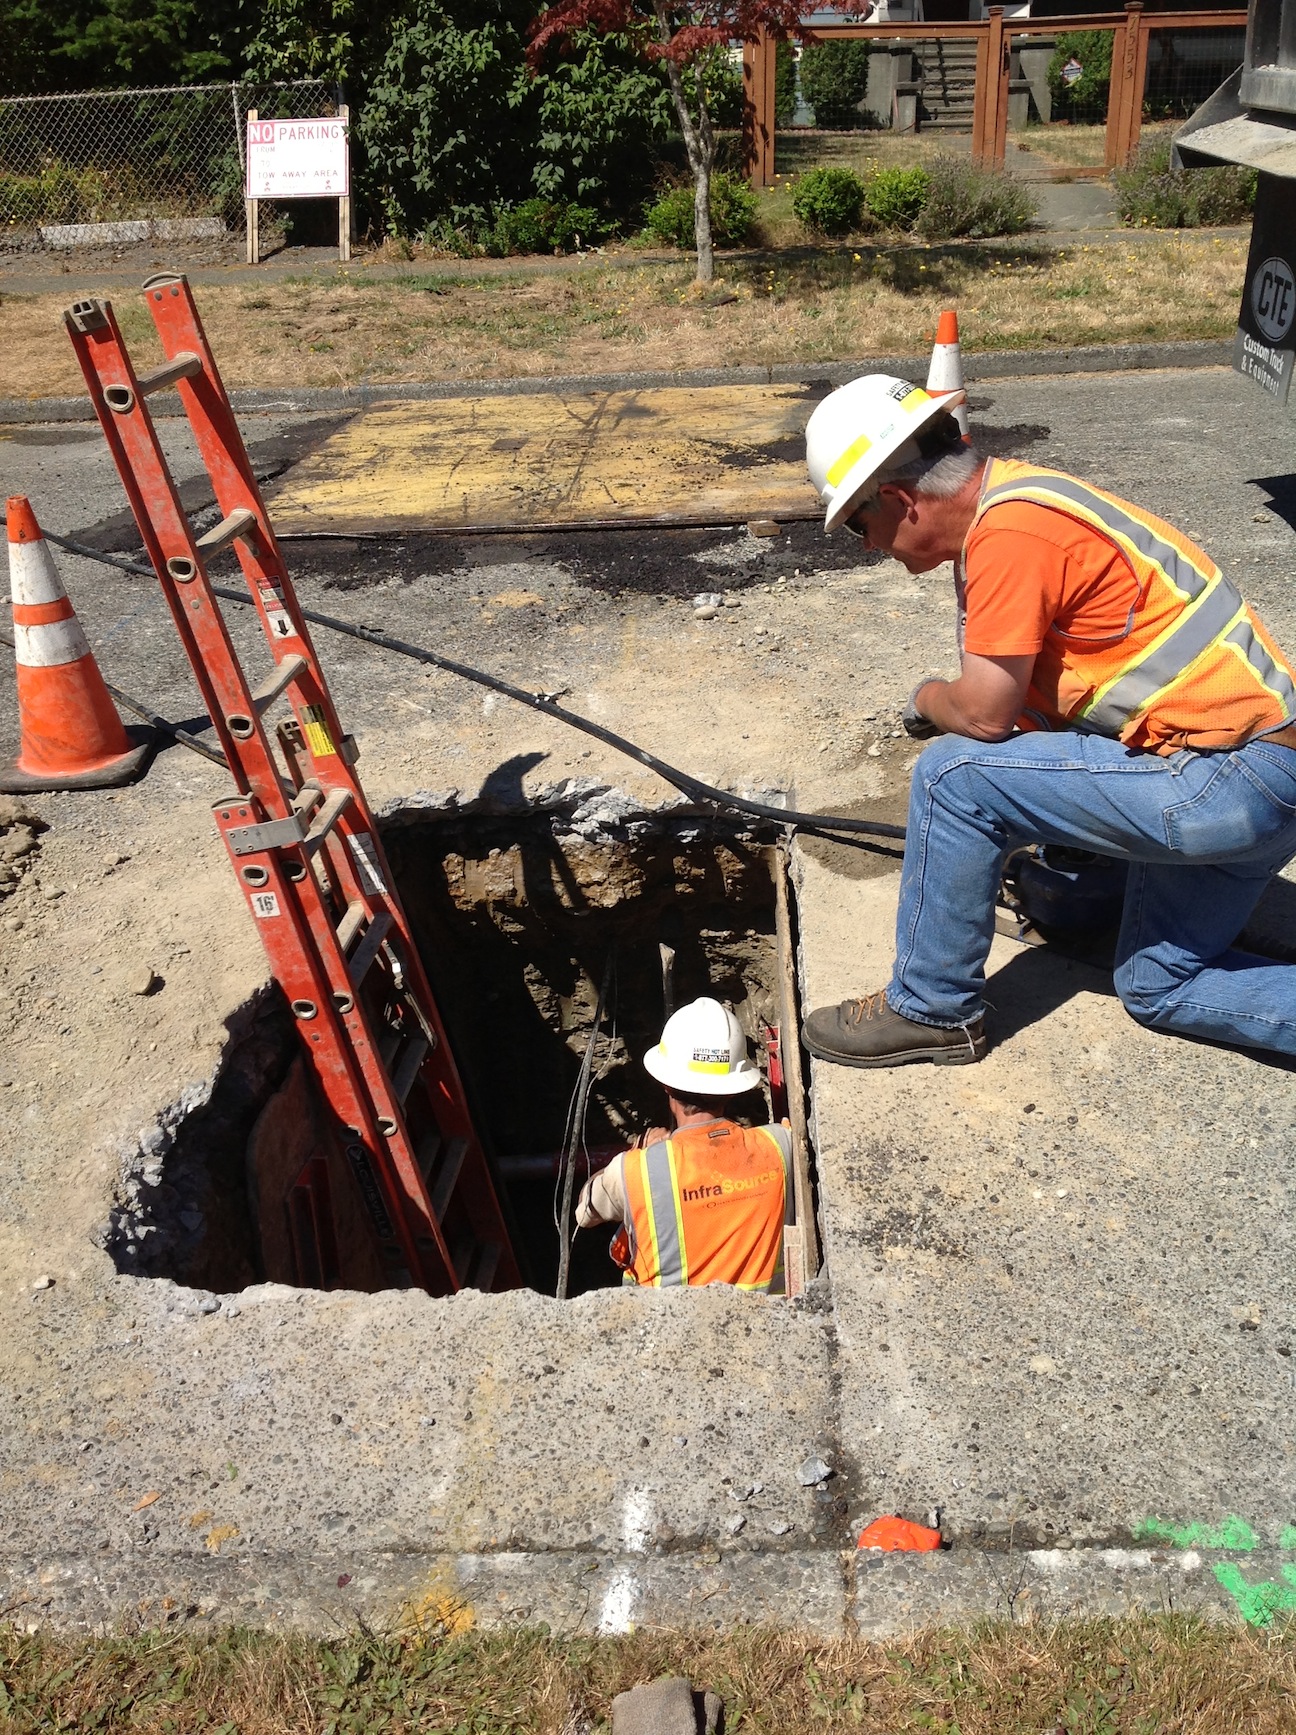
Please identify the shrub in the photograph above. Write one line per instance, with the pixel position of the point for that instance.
(1086, 98)
(896, 196)
(545, 226)
(1150, 193)
(963, 199)
(733, 211)
(452, 126)
(830, 201)
(833, 79)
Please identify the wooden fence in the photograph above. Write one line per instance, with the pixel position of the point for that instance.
(994, 39)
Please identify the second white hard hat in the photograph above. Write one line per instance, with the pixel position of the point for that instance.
(865, 429)
(703, 1052)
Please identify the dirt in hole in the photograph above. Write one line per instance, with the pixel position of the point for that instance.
(517, 921)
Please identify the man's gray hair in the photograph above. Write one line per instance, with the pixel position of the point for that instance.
(940, 477)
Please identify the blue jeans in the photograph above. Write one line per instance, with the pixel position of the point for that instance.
(1204, 831)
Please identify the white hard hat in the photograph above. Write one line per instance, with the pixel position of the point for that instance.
(703, 1052)
(865, 429)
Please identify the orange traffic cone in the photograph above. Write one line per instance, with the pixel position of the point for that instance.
(946, 371)
(72, 738)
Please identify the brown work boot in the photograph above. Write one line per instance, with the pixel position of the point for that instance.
(868, 1033)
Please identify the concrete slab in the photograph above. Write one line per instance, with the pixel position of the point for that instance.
(711, 454)
(197, 1446)
(1071, 207)
(1062, 1277)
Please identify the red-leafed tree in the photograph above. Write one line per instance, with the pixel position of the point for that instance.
(681, 36)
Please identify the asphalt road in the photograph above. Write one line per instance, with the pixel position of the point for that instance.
(1203, 448)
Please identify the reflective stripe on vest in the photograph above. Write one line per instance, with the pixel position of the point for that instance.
(664, 1207)
(1213, 617)
(656, 1208)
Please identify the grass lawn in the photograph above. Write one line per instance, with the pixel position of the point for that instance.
(1144, 1676)
(803, 304)
(1063, 146)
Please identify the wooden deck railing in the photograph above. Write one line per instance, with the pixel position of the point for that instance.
(993, 37)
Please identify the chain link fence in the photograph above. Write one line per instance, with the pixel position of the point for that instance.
(118, 166)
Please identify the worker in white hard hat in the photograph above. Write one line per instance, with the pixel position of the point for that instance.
(1115, 694)
(704, 1201)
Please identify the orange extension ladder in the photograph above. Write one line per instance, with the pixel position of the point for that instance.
(304, 845)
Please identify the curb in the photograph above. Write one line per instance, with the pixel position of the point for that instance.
(988, 365)
(820, 1590)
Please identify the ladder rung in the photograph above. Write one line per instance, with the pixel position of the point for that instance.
(283, 675)
(416, 1049)
(351, 924)
(181, 367)
(327, 818)
(448, 1178)
(487, 1266)
(242, 521)
(365, 953)
(307, 798)
(425, 1152)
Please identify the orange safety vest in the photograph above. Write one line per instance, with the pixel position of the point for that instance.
(708, 1205)
(1193, 666)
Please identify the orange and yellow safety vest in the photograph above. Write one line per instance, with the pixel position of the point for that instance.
(708, 1205)
(1194, 666)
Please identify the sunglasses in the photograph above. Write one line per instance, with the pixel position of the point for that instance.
(849, 525)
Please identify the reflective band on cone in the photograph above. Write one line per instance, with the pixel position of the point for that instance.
(946, 371)
(72, 737)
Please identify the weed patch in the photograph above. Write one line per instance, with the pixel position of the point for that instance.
(1151, 194)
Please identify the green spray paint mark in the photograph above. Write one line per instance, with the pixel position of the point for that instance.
(1258, 1603)
(1288, 1537)
(1234, 1533)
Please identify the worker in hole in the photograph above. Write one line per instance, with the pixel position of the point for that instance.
(1116, 695)
(704, 1201)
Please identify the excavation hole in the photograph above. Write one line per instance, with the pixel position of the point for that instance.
(516, 916)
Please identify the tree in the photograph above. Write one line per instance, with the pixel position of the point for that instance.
(681, 38)
(50, 45)
(834, 77)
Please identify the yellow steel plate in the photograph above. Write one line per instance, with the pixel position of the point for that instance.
(710, 454)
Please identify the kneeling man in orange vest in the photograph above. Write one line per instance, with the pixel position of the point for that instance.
(1115, 694)
(707, 1201)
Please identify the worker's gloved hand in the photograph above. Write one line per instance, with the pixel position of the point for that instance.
(914, 724)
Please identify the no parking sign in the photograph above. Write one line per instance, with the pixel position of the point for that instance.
(297, 159)
(1266, 339)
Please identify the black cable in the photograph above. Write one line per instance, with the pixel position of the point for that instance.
(576, 1135)
(821, 823)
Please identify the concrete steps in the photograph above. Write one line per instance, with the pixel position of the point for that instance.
(946, 71)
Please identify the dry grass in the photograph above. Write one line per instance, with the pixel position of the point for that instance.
(864, 151)
(805, 305)
(1065, 146)
(1139, 1676)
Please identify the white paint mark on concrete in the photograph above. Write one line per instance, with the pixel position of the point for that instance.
(636, 1521)
(620, 1599)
